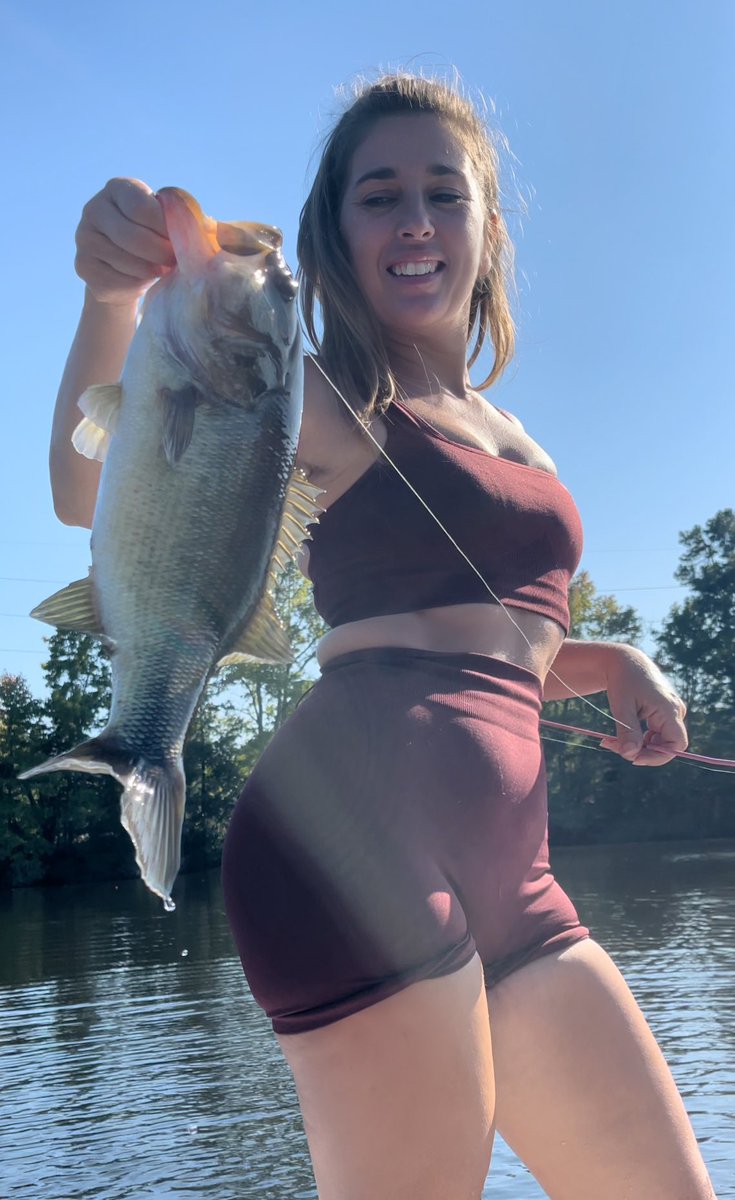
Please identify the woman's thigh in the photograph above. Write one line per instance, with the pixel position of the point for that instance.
(397, 1099)
(584, 1095)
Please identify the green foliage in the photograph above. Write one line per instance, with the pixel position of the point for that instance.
(214, 764)
(588, 794)
(698, 637)
(23, 846)
(270, 693)
(597, 796)
(77, 813)
(600, 618)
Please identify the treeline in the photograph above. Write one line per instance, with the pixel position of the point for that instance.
(65, 826)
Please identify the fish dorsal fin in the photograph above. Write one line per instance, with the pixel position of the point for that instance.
(179, 410)
(101, 407)
(300, 509)
(72, 608)
(265, 638)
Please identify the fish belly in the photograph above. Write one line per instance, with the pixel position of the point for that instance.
(181, 555)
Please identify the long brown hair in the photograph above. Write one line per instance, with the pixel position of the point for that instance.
(351, 345)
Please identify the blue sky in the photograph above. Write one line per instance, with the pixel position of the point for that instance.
(619, 118)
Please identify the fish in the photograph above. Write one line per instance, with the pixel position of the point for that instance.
(199, 507)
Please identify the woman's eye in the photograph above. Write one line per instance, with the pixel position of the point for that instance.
(449, 198)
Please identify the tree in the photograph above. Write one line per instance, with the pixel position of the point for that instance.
(588, 799)
(23, 848)
(80, 811)
(698, 636)
(272, 692)
(214, 767)
(600, 618)
(697, 641)
(596, 796)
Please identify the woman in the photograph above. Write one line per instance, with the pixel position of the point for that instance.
(386, 871)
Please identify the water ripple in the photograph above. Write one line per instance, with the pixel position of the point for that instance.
(135, 1063)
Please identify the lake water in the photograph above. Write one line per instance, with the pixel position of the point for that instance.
(135, 1063)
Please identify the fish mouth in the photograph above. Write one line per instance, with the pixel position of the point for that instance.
(197, 238)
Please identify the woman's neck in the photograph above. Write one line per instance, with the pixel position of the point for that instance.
(429, 370)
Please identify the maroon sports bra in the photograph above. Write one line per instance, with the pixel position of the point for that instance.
(377, 551)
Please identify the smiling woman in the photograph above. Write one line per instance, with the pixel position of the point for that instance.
(386, 871)
(463, 173)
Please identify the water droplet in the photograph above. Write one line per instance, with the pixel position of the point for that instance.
(168, 904)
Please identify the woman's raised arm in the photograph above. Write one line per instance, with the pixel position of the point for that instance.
(121, 248)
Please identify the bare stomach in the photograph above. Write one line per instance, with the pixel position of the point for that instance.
(532, 642)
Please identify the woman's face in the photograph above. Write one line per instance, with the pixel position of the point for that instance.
(414, 223)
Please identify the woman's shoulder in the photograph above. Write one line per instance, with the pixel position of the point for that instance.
(327, 433)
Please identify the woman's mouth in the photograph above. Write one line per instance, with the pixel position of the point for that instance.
(411, 269)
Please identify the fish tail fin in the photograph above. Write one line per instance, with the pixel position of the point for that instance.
(151, 806)
(152, 812)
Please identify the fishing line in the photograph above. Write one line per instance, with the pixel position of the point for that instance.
(459, 549)
(565, 742)
(720, 766)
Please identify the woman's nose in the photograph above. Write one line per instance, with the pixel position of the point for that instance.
(415, 220)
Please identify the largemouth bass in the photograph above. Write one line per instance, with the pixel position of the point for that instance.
(198, 507)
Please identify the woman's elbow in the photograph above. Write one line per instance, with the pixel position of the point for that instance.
(72, 514)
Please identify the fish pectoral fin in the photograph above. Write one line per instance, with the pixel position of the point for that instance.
(300, 509)
(101, 407)
(179, 410)
(264, 640)
(72, 608)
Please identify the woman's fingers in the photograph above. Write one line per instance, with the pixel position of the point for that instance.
(98, 248)
(137, 202)
(641, 698)
(665, 736)
(121, 241)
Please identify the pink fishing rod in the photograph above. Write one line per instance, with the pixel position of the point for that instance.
(703, 759)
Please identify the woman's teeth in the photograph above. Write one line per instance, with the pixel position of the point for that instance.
(414, 268)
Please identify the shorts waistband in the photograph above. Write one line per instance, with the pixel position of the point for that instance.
(407, 656)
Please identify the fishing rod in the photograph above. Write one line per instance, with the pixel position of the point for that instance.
(704, 760)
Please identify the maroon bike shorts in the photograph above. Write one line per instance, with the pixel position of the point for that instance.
(395, 825)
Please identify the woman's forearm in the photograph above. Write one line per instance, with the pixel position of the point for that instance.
(583, 666)
(96, 356)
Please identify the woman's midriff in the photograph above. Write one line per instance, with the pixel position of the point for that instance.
(512, 634)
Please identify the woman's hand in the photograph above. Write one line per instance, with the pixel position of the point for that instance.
(637, 691)
(121, 242)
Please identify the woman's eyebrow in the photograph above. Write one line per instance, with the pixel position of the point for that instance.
(390, 173)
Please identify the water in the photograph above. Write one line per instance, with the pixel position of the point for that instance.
(135, 1063)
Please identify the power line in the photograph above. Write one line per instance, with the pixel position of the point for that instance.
(22, 579)
(658, 587)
